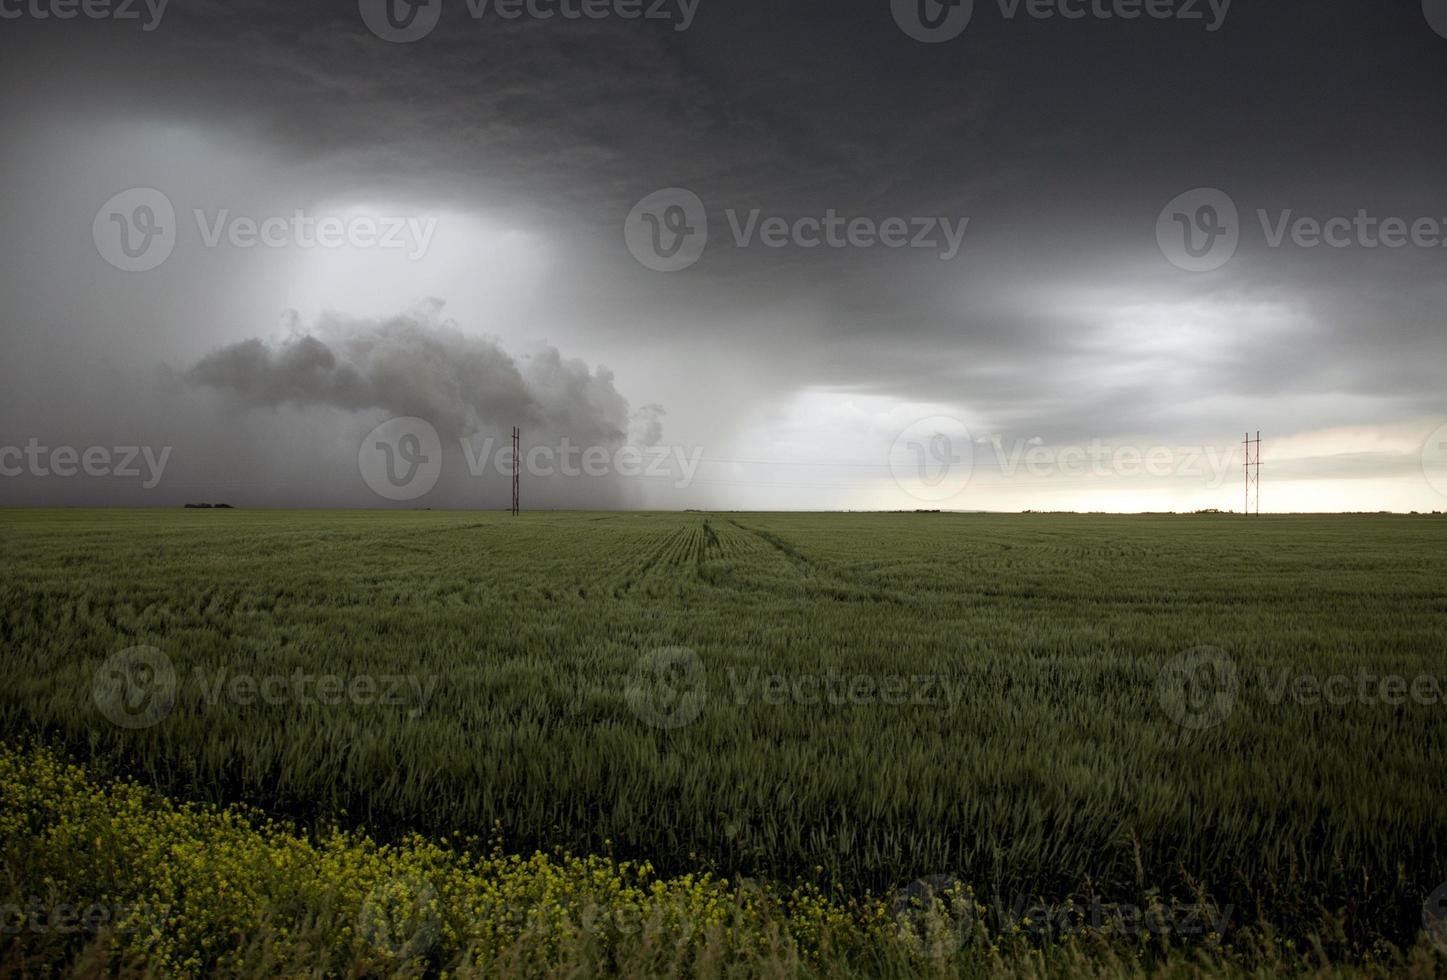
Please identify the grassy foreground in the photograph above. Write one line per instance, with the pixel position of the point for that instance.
(124, 881)
(856, 702)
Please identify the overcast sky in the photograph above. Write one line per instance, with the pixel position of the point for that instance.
(793, 254)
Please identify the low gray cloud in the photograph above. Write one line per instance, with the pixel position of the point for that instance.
(420, 365)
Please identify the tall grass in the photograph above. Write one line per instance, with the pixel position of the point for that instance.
(1056, 773)
(110, 879)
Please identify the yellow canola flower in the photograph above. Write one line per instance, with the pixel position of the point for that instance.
(209, 883)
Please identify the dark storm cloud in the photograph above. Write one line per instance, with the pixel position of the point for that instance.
(1059, 140)
(418, 366)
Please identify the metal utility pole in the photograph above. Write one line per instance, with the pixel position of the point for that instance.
(517, 436)
(1253, 472)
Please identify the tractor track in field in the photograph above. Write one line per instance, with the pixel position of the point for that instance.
(783, 547)
(830, 580)
(672, 551)
(703, 551)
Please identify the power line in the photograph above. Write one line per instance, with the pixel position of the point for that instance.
(516, 469)
(1253, 472)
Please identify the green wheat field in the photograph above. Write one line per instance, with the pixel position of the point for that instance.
(798, 717)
